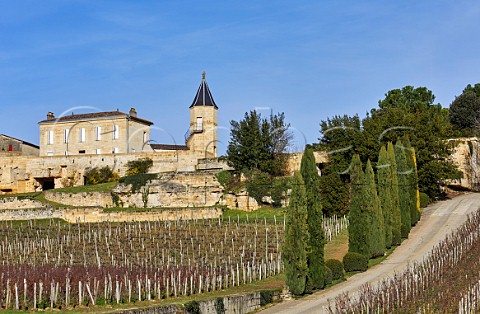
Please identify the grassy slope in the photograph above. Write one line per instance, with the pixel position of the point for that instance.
(101, 187)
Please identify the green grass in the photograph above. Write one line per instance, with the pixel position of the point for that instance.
(338, 247)
(267, 213)
(375, 261)
(101, 187)
(35, 222)
(21, 195)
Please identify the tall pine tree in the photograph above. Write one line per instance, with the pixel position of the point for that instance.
(358, 229)
(295, 247)
(377, 228)
(384, 179)
(396, 213)
(315, 259)
(404, 186)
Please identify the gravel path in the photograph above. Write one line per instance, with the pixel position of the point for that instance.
(437, 221)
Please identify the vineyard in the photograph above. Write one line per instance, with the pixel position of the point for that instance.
(446, 281)
(59, 265)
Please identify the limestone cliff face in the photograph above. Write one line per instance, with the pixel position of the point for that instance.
(466, 156)
(176, 189)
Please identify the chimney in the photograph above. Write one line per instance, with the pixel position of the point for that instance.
(50, 116)
(133, 112)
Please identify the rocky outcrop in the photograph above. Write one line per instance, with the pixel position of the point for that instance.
(466, 156)
(240, 201)
(179, 189)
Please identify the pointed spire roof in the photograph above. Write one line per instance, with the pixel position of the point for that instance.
(204, 96)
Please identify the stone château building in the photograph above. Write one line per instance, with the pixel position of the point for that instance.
(94, 133)
(71, 144)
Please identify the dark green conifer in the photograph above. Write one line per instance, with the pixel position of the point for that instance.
(404, 186)
(358, 229)
(376, 225)
(315, 259)
(396, 214)
(295, 247)
(413, 183)
(384, 179)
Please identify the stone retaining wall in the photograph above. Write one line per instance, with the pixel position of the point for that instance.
(13, 203)
(97, 199)
(96, 214)
(234, 304)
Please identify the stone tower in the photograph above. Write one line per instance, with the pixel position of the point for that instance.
(203, 138)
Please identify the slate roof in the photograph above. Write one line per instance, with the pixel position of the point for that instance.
(21, 141)
(95, 115)
(169, 147)
(204, 96)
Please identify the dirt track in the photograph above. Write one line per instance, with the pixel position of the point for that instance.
(437, 221)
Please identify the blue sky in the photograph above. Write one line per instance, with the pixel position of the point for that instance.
(309, 59)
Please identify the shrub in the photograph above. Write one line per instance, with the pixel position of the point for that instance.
(336, 267)
(224, 177)
(102, 175)
(259, 185)
(355, 262)
(219, 306)
(266, 297)
(279, 190)
(192, 307)
(139, 166)
(328, 275)
(137, 180)
(424, 199)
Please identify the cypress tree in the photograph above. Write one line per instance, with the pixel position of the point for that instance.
(395, 215)
(404, 195)
(377, 228)
(384, 179)
(413, 183)
(315, 259)
(358, 229)
(295, 247)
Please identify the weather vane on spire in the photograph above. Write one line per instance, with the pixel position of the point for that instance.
(204, 74)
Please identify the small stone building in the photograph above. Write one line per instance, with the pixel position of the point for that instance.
(11, 145)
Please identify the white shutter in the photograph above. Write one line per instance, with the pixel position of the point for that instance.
(65, 135)
(99, 133)
(50, 137)
(82, 135)
(115, 132)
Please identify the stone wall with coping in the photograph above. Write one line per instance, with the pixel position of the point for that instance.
(98, 199)
(94, 215)
(13, 203)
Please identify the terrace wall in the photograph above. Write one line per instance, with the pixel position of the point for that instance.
(234, 304)
(96, 214)
(96, 199)
(13, 203)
